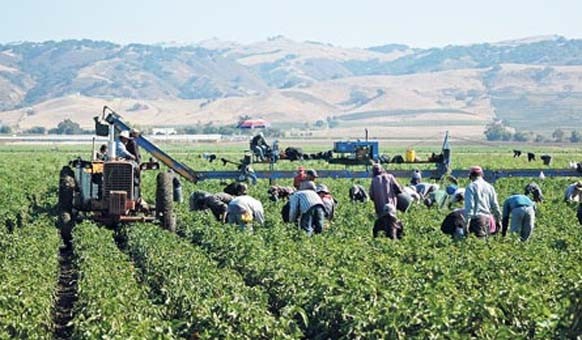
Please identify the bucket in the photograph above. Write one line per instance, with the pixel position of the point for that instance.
(410, 156)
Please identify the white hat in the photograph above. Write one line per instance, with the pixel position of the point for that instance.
(124, 134)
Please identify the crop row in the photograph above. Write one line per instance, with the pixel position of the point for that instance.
(25, 193)
(28, 273)
(208, 301)
(346, 284)
(111, 303)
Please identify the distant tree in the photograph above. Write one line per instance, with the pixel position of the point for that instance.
(558, 135)
(521, 136)
(497, 131)
(320, 124)
(36, 130)
(539, 138)
(575, 136)
(67, 127)
(333, 123)
(5, 129)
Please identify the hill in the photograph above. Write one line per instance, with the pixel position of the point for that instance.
(532, 83)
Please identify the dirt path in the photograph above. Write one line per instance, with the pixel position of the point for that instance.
(66, 295)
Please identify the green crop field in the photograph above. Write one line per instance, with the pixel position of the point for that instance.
(210, 280)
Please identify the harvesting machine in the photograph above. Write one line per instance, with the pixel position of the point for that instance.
(110, 191)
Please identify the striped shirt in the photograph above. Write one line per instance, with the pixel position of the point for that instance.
(301, 201)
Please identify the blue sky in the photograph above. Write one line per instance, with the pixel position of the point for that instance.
(359, 23)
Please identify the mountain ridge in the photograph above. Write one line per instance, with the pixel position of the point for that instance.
(216, 81)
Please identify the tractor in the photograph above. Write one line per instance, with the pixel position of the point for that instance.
(109, 191)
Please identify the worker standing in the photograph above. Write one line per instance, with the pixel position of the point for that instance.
(121, 146)
(306, 205)
(132, 146)
(259, 146)
(384, 189)
(480, 204)
(244, 210)
(523, 214)
(299, 177)
(101, 155)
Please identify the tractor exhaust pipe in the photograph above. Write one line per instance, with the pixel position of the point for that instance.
(111, 143)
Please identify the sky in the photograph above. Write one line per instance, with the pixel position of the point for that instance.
(356, 23)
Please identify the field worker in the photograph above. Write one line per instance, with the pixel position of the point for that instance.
(424, 189)
(388, 223)
(101, 155)
(436, 198)
(244, 210)
(329, 203)
(522, 211)
(306, 205)
(259, 146)
(480, 203)
(406, 198)
(299, 177)
(217, 203)
(121, 146)
(455, 195)
(574, 193)
(311, 175)
(384, 189)
(454, 224)
(132, 147)
(416, 177)
(534, 190)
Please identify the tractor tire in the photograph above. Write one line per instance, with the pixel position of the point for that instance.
(165, 201)
(66, 190)
(66, 223)
(66, 220)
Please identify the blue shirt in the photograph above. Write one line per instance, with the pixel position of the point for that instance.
(516, 201)
(121, 150)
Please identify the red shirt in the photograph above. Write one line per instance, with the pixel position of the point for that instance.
(300, 177)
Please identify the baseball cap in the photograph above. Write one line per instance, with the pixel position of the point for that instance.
(307, 185)
(475, 171)
(322, 188)
(312, 173)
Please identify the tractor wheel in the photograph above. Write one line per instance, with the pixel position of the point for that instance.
(66, 224)
(65, 220)
(66, 190)
(165, 201)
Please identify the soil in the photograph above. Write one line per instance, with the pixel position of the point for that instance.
(66, 295)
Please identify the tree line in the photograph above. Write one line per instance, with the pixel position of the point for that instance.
(500, 131)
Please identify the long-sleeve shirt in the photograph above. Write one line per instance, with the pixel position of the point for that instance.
(301, 201)
(515, 201)
(133, 149)
(481, 200)
(572, 194)
(121, 150)
(424, 188)
(384, 190)
(245, 203)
